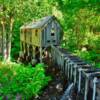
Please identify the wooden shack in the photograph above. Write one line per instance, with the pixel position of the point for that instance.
(42, 34)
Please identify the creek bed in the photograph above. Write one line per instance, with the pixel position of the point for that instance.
(55, 88)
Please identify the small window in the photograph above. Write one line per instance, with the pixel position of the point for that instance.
(48, 41)
(54, 40)
(36, 32)
(52, 32)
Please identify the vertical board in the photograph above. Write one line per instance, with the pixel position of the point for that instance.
(47, 32)
(43, 37)
(36, 37)
(29, 36)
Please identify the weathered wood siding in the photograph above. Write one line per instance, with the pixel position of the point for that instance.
(59, 32)
(42, 36)
(22, 35)
(47, 38)
(29, 36)
(36, 33)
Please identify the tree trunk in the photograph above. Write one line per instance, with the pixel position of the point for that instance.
(4, 41)
(9, 40)
(9, 51)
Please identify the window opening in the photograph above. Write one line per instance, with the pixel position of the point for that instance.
(52, 32)
(36, 32)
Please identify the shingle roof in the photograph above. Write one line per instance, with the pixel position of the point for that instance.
(37, 24)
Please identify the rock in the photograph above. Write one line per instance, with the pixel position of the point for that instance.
(59, 87)
(34, 61)
(18, 97)
(53, 69)
(36, 97)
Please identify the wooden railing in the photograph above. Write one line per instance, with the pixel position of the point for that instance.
(83, 75)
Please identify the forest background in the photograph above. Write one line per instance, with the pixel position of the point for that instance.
(80, 20)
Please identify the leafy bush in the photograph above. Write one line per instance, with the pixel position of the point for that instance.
(18, 80)
(89, 56)
(98, 65)
(0, 57)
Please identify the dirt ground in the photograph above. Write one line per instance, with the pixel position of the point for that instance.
(56, 87)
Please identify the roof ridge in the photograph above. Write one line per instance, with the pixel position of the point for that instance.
(38, 23)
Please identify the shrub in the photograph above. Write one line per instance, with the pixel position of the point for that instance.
(18, 80)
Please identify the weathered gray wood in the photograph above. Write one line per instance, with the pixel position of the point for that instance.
(68, 92)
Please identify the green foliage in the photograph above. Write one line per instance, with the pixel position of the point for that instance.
(98, 65)
(16, 79)
(81, 25)
(0, 58)
(89, 56)
(22, 11)
(79, 18)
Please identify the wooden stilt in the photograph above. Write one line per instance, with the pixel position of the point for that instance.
(40, 54)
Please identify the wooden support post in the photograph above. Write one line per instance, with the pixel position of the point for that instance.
(24, 48)
(79, 81)
(40, 54)
(86, 88)
(75, 74)
(33, 55)
(41, 47)
(28, 52)
(94, 88)
(71, 71)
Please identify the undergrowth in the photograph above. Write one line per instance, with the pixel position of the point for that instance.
(17, 80)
